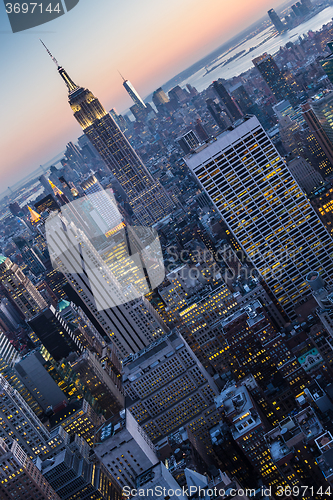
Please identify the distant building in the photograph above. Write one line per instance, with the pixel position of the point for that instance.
(275, 79)
(133, 94)
(24, 426)
(201, 131)
(248, 428)
(73, 475)
(220, 117)
(160, 97)
(284, 108)
(321, 136)
(327, 63)
(276, 20)
(322, 201)
(77, 415)
(230, 105)
(322, 106)
(242, 97)
(15, 209)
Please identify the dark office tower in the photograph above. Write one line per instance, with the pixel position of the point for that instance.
(140, 114)
(178, 94)
(265, 209)
(46, 204)
(146, 196)
(15, 209)
(231, 107)
(320, 134)
(29, 255)
(201, 131)
(296, 10)
(276, 20)
(307, 4)
(160, 97)
(220, 117)
(188, 141)
(45, 183)
(275, 79)
(54, 334)
(327, 63)
(133, 94)
(73, 154)
(243, 99)
(74, 476)
(314, 153)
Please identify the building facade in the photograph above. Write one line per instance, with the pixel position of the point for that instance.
(265, 209)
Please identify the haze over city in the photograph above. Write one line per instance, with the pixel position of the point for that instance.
(148, 42)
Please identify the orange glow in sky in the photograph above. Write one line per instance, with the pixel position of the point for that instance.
(149, 41)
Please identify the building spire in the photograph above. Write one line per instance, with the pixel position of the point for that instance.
(121, 75)
(64, 75)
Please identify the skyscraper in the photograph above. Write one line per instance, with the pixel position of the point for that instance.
(327, 63)
(130, 325)
(220, 117)
(322, 106)
(133, 94)
(230, 105)
(146, 196)
(19, 422)
(21, 290)
(320, 135)
(20, 478)
(275, 79)
(265, 209)
(276, 20)
(168, 388)
(160, 97)
(305, 175)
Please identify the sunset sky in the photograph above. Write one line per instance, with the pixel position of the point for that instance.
(149, 41)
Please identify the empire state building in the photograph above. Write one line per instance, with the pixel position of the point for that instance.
(148, 199)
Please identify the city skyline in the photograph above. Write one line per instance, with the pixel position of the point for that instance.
(40, 138)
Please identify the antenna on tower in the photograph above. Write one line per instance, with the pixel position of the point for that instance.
(49, 53)
(121, 75)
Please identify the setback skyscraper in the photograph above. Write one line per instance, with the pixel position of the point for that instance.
(265, 209)
(148, 199)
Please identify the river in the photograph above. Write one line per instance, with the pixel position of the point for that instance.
(270, 43)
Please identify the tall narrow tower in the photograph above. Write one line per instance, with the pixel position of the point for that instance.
(148, 199)
(133, 93)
